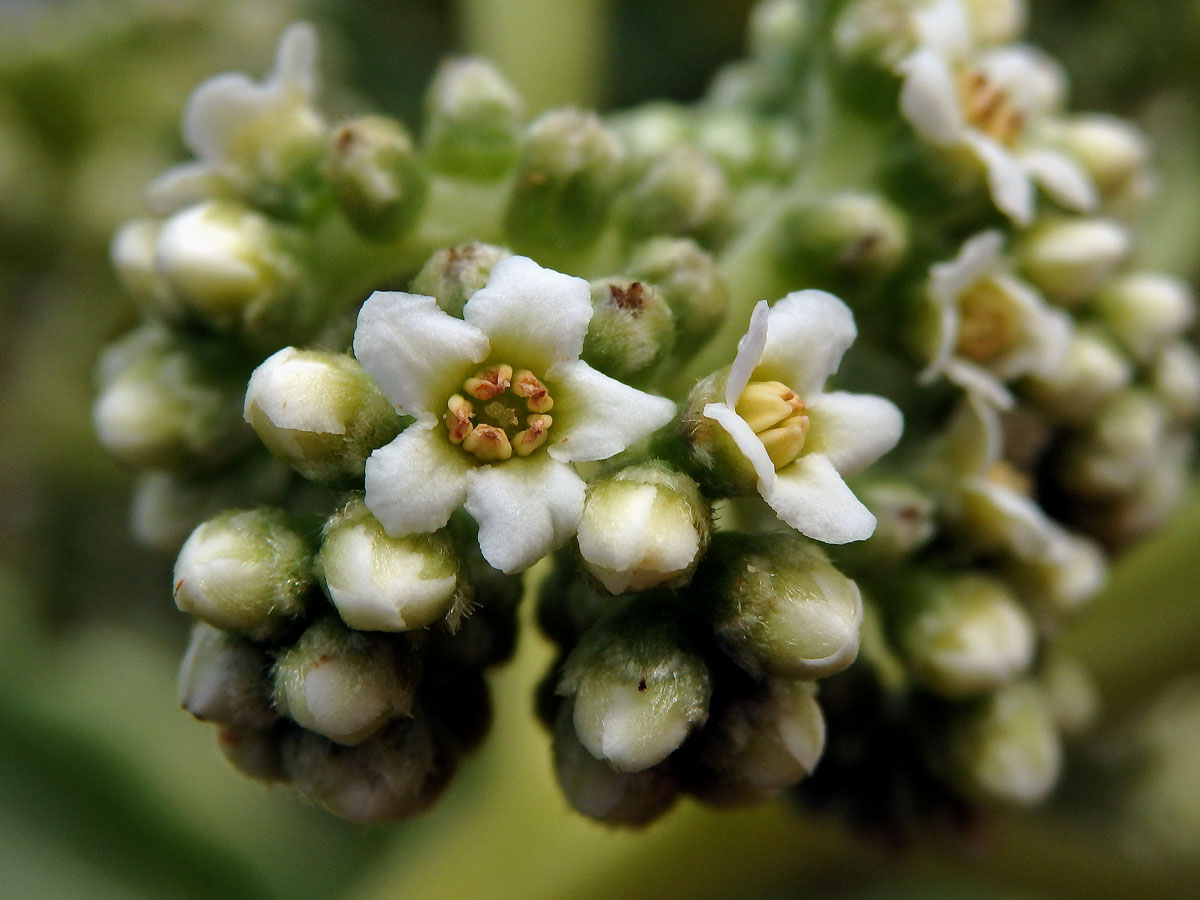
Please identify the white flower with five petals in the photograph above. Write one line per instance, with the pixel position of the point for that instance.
(799, 439)
(992, 103)
(504, 406)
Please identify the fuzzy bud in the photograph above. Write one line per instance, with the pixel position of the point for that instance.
(1146, 310)
(686, 278)
(472, 120)
(376, 176)
(847, 236)
(381, 583)
(684, 193)
(643, 526)
(1091, 371)
(319, 412)
(631, 330)
(1068, 259)
(245, 571)
(453, 274)
(224, 679)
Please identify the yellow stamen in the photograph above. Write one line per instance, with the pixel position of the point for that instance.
(489, 383)
(1007, 475)
(785, 442)
(766, 403)
(488, 443)
(458, 418)
(988, 325)
(989, 108)
(529, 386)
(525, 442)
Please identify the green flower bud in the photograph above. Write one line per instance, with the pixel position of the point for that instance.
(650, 131)
(245, 571)
(600, 792)
(1071, 693)
(847, 236)
(132, 253)
(1175, 378)
(344, 684)
(1122, 444)
(1091, 372)
(381, 583)
(779, 607)
(761, 745)
(452, 275)
(472, 120)
(964, 634)
(638, 690)
(1007, 749)
(747, 146)
(1070, 258)
(565, 182)
(223, 679)
(255, 752)
(167, 401)
(397, 773)
(319, 412)
(1145, 311)
(904, 519)
(683, 193)
(377, 179)
(1059, 581)
(226, 265)
(778, 30)
(643, 526)
(686, 278)
(631, 331)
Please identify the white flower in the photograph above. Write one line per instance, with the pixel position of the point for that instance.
(992, 104)
(988, 327)
(503, 405)
(799, 439)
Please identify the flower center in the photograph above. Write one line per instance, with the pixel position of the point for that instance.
(988, 107)
(987, 322)
(508, 414)
(776, 415)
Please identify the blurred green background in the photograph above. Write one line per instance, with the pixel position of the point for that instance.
(107, 789)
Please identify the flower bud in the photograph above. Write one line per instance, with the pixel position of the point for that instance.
(650, 131)
(1057, 582)
(381, 583)
(453, 274)
(686, 278)
(643, 526)
(565, 181)
(165, 402)
(245, 571)
(746, 146)
(344, 684)
(1119, 447)
(1071, 693)
(779, 607)
(395, 774)
(1146, 310)
(132, 253)
(847, 236)
(1070, 258)
(472, 120)
(600, 792)
(1008, 749)
(996, 21)
(1091, 372)
(1175, 378)
(319, 412)
(778, 30)
(638, 689)
(226, 265)
(570, 603)
(761, 745)
(376, 176)
(224, 679)
(904, 520)
(255, 752)
(964, 635)
(1111, 150)
(631, 330)
(683, 193)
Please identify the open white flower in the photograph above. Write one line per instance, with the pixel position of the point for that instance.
(992, 103)
(799, 439)
(503, 405)
(988, 327)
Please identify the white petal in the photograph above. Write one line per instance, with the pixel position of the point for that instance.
(185, 185)
(417, 353)
(979, 383)
(296, 61)
(929, 98)
(525, 509)
(811, 496)
(1027, 76)
(1010, 187)
(942, 26)
(1062, 179)
(414, 483)
(747, 441)
(595, 416)
(749, 352)
(947, 281)
(534, 317)
(807, 334)
(852, 430)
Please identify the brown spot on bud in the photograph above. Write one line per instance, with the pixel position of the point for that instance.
(632, 298)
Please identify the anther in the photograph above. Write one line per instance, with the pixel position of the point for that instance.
(525, 442)
(488, 443)
(489, 383)
(459, 413)
(537, 398)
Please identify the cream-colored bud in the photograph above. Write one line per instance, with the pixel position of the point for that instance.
(132, 252)
(1091, 371)
(1070, 258)
(1146, 310)
(1112, 150)
(224, 679)
(1175, 377)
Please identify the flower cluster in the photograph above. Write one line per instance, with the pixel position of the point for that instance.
(826, 407)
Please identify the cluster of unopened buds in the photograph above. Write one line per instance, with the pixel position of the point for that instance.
(826, 401)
